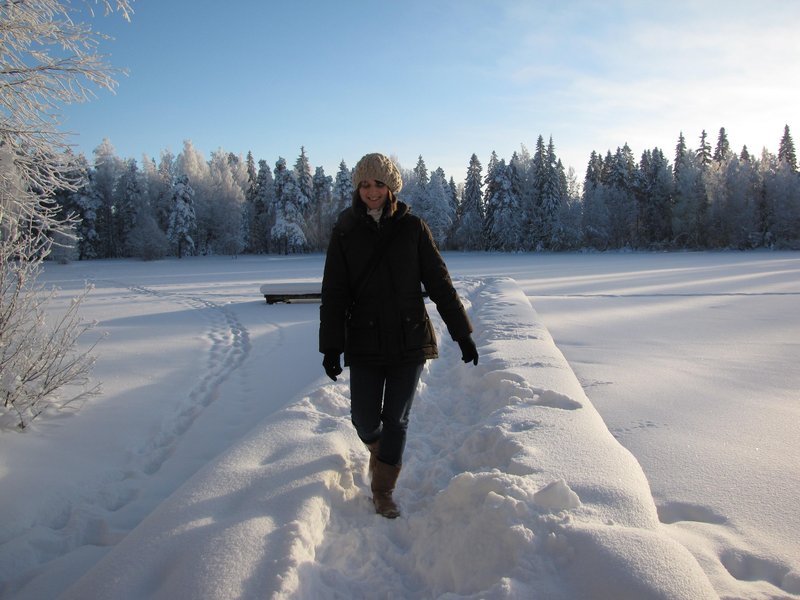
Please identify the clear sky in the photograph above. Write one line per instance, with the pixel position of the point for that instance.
(444, 78)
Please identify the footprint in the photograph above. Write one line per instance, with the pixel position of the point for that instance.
(673, 512)
(749, 567)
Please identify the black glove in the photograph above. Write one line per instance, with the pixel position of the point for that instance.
(469, 353)
(332, 364)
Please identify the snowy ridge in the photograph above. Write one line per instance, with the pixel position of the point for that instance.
(513, 487)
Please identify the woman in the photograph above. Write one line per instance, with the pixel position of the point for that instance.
(373, 311)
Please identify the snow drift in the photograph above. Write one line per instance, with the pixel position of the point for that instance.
(512, 487)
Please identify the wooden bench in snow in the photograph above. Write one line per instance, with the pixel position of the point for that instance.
(292, 291)
(286, 292)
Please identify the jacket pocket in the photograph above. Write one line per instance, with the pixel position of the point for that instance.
(417, 331)
(363, 335)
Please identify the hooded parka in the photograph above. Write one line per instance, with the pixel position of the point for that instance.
(388, 322)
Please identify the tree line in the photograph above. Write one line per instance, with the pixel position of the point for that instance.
(705, 198)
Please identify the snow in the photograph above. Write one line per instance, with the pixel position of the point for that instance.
(220, 461)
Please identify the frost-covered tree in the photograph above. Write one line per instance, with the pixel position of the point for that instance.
(182, 221)
(342, 189)
(468, 233)
(287, 234)
(490, 193)
(263, 217)
(226, 233)
(107, 172)
(439, 214)
(595, 218)
(732, 188)
(782, 199)
(47, 59)
(505, 230)
(415, 191)
(304, 181)
(128, 206)
(325, 212)
(690, 210)
(191, 163)
(654, 198)
(550, 199)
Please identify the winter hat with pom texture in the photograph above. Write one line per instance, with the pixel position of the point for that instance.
(378, 167)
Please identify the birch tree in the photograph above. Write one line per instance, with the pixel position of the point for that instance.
(47, 59)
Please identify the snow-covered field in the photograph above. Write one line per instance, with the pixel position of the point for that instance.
(220, 462)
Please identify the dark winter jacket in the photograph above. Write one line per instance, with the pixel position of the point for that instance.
(388, 322)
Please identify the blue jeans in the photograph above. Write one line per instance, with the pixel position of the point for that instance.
(380, 402)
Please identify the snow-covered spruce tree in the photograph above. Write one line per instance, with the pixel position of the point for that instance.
(128, 206)
(342, 189)
(489, 193)
(415, 191)
(505, 232)
(47, 59)
(287, 234)
(263, 209)
(182, 221)
(322, 200)
(468, 233)
(595, 220)
(654, 197)
(551, 198)
(440, 215)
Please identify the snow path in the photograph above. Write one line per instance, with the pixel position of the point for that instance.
(508, 490)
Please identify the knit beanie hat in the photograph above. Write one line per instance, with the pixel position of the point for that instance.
(378, 167)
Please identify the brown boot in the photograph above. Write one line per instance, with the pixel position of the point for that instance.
(384, 478)
(373, 448)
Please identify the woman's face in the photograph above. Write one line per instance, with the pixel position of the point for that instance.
(373, 193)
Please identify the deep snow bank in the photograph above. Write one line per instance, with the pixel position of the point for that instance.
(512, 488)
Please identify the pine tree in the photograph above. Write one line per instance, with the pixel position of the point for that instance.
(704, 151)
(722, 152)
(680, 155)
(786, 152)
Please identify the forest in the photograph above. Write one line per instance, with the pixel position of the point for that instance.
(705, 197)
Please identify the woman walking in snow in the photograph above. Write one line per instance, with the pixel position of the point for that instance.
(374, 312)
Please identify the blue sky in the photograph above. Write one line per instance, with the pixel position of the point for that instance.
(444, 78)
